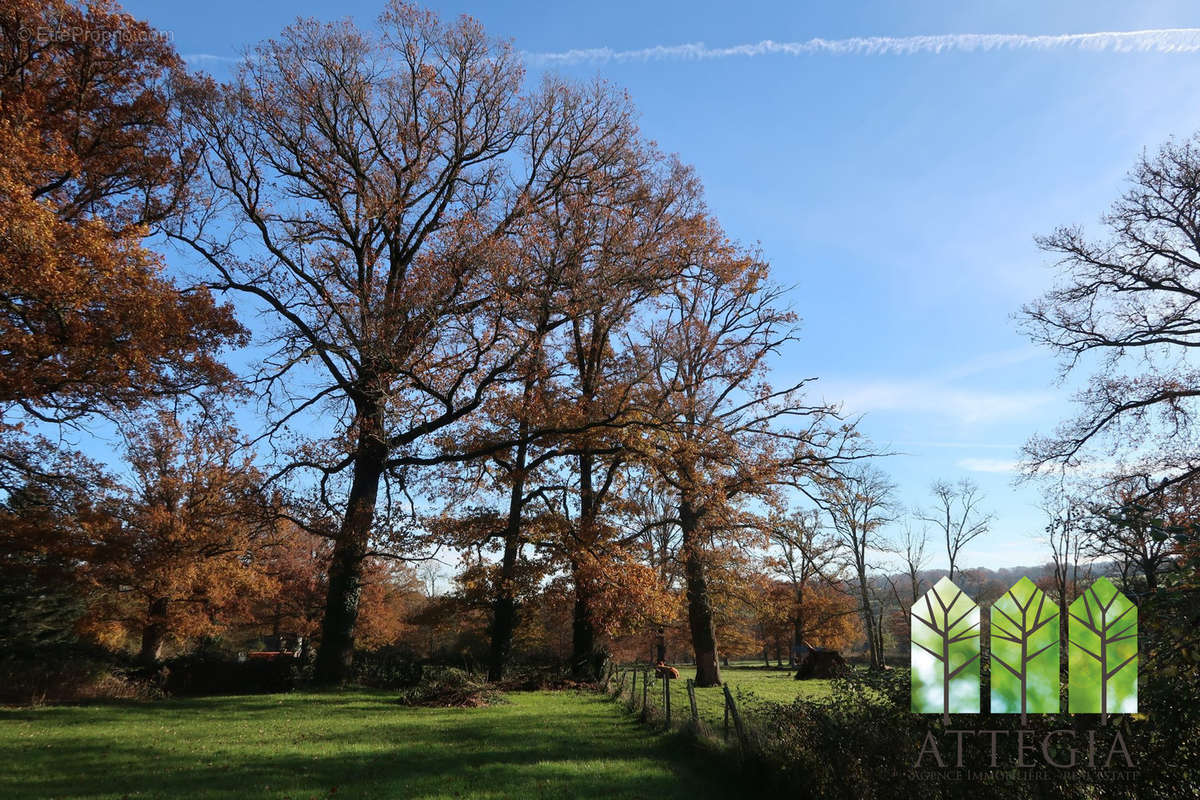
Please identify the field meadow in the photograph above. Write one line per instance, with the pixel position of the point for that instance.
(545, 744)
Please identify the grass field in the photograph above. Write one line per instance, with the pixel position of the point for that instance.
(774, 684)
(352, 744)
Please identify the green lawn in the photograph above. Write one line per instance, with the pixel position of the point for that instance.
(773, 684)
(354, 744)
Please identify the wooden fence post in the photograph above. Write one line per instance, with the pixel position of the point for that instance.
(667, 695)
(731, 707)
(645, 691)
(726, 706)
(633, 689)
(691, 687)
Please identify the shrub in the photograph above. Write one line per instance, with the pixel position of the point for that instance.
(69, 673)
(448, 686)
(386, 668)
(207, 673)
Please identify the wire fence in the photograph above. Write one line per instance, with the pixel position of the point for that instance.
(677, 704)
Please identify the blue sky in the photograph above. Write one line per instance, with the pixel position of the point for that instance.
(899, 193)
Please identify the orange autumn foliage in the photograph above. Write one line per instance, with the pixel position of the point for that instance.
(89, 159)
(175, 557)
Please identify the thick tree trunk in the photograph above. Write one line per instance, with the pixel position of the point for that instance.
(336, 653)
(587, 658)
(504, 607)
(154, 633)
(700, 613)
(1150, 570)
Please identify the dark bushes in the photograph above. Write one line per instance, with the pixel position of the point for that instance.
(205, 673)
(386, 668)
(70, 672)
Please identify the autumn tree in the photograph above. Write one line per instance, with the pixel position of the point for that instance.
(1128, 298)
(641, 244)
(860, 505)
(178, 551)
(365, 187)
(1134, 529)
(650, 520)
(295, 562)
(723, 434)
(587, 261)
(957, 514)
(91, 161)
(805, 556)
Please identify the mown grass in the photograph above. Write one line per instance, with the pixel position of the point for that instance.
(347, 744)
(773, 684)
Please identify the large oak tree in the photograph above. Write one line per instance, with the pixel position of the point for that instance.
(367, 189)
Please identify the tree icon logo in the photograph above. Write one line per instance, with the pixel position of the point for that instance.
(1024, 652)
(1025, 629)
(1103, 652)
(945, 652)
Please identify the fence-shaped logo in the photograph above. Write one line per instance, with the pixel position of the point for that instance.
(1025, 630)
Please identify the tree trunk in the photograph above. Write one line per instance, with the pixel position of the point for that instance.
(660, 645)
(587, 659)
(1149, 569)
(868, 620)
(798, 624)
(336, 653)
(154, 633)
(700, 614)
(504, 608)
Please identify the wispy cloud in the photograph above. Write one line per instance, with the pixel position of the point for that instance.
(931, 396)
(1086, 469)
(989, 464)
(1165, 40)
(957, 445)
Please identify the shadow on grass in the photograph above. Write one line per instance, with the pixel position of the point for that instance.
(540, 745)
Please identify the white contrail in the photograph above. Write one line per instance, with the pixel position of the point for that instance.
(208, 58)
(1166, 40)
